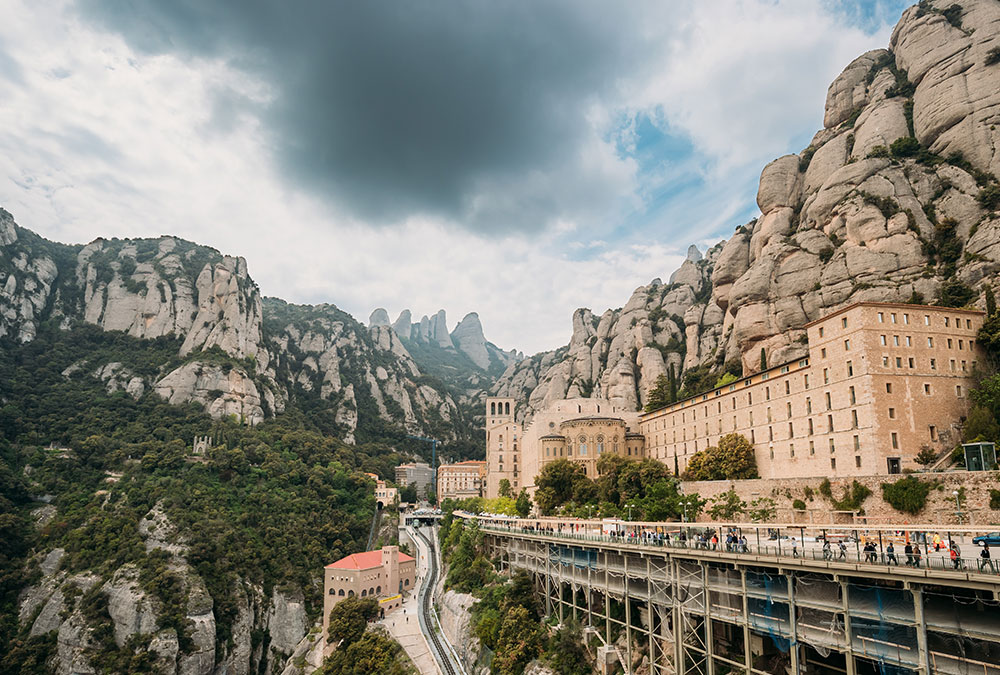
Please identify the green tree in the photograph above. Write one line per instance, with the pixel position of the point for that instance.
(672, 380)
(763, 510)
(763, 359)
(991, 302)
(659, 395)
(954, 293)
(523, 504)
(926, 456)
(408, 493)
(726, 506)
(732, 459)
(556, 484)
(980, 425)
(987, 395)
(374, 653)
(349, 618)
(520, 641)
(724, 379)
(565, 653)
(505, 489)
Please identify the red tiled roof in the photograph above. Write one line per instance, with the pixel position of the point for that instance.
(363, 561)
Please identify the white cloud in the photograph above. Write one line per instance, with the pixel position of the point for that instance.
(98, 141)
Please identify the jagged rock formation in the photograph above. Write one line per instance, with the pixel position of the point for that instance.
(239, 354)
(468, 337)
(619, 354)
(895, 199)
(51, 605)
(322, 349)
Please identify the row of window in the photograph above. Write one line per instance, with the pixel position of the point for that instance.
(894, 318)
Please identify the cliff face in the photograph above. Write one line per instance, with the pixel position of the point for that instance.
(51, 605)
(237, 353)
(895, 199)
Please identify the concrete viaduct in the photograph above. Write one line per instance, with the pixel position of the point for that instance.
(664, 599)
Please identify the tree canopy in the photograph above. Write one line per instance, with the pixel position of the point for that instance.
(732, 459)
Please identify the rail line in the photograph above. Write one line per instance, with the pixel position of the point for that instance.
(427, 591)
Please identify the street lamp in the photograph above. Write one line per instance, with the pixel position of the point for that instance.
(590, 511)
(958, 505)
(629, 507)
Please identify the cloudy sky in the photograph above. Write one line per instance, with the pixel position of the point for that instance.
(519, 159)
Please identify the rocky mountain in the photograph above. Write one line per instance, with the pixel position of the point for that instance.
(895, 199)
(467, 338)
(238, 353)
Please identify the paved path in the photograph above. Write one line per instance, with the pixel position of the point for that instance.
(405, 627)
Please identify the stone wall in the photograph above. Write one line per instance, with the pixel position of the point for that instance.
(940, 506)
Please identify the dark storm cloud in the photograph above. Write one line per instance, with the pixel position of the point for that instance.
(391, 109)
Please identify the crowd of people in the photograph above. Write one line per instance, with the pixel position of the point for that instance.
(916, 551)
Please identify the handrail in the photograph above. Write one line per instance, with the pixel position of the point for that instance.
(939, 562)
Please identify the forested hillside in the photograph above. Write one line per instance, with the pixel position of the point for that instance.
(143, 553)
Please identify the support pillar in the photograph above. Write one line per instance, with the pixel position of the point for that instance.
(607, 600)
(848, 640)
(628, 617)
(707, 611)
(923, 655)
(793, 644)
(747, 655)
(649, 613)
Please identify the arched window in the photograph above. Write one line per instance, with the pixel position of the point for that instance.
(341, 593)
(493, 408)
(378, 589)
(350, 594)
(406, 582)
(507, 406)
(364, 593)
(371, 591)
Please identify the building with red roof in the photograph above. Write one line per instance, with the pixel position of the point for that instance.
(385, 575)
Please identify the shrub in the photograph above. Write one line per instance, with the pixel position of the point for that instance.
(954, 293)
(989, 197)
(799, 505)
(904, 146)
(995, 499)
(877, 151)
(806, 157)
(853, 497)
(992, 56)
(906, 495)
(825, 489)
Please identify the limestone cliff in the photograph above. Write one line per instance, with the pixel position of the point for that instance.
(895, 199)
(51, 604)
(230, 357)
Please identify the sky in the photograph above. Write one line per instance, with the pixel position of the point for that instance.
(516, 159)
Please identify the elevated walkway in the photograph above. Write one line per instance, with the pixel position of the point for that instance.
(764, 604)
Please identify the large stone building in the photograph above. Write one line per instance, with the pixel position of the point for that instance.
(881, 382)
(419, 474)
(384, 575)
(577, 429)
(461, 480)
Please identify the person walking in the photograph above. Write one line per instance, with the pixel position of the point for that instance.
(984, 558)
(827, 553)
(843, 551)
(795, 548)
(890, 555)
